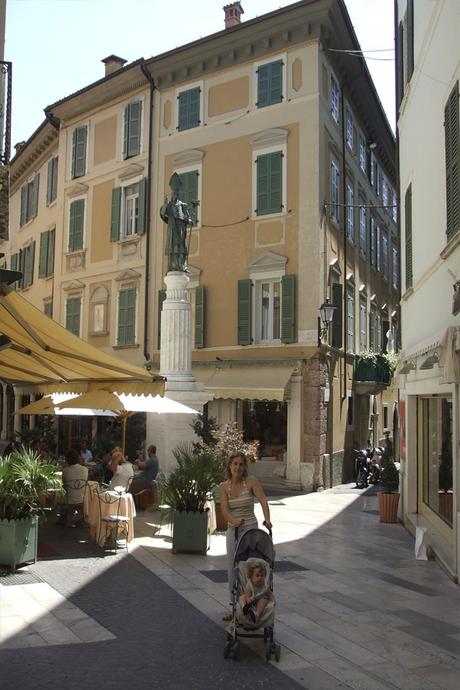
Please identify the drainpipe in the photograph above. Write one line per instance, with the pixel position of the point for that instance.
(149, 78)
(345, 242)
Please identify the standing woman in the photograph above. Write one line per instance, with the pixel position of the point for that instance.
(237, 496)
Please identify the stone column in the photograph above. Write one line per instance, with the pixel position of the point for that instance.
(176, 330)
(294, 430)
(17, 405)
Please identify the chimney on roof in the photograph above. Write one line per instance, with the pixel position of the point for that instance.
(112, 63)
(233, 14)
(20, 145)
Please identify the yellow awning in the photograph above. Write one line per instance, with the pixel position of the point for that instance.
(38, 352)
(246, 382)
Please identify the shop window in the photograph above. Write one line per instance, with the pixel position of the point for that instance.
(436, 455)
(266, 422)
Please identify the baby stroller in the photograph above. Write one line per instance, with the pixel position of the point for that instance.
(253, 544)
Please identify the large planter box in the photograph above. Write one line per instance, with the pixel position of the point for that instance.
(388, 507)
(18, 542)
(190, 532)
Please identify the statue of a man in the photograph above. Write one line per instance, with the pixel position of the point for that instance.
(176, 214)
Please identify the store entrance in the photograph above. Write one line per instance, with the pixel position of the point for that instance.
(266, 421)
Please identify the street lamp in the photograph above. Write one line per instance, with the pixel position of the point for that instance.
(326, 311)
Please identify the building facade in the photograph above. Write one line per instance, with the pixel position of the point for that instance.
(429, 374)
(289, 165)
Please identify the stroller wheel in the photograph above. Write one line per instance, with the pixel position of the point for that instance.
(277, 652)
(227, 649)
(235, 651)
(268, 651)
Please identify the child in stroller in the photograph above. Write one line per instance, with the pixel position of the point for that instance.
(256, 593)
(252, 594)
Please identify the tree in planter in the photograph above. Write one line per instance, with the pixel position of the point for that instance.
(389, 477)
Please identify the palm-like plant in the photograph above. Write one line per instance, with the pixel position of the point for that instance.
(23, 477)
(190, 484)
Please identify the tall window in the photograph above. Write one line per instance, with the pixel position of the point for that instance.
(335, 175)
(350, 214)
(375, 330)
(384, 191)
(132, 129)
(335, 99)
(46, 260)
(362, 153)
(29, 200)
(73, 314)
(269, 297)
(394, 268)
(79, 140)
(408, 229)
(76, 225)
(269, 183)
(349, 128)
(189, 105)
(128, 210)
(26, 265)
(378, 256)
(51, 186)
(362, 231)
(270, 83)
(385, 255)
(373, 242)
(436, 448)
(394, 202)
(362, 325)
(350, 320)
(127, 316)
(452, 149)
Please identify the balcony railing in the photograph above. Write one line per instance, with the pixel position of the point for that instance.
(375, 370)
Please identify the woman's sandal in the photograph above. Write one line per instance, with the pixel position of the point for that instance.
(227, 617)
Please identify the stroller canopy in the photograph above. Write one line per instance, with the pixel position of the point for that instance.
(255, 543)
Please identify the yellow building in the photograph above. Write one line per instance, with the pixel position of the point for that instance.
(252, 119)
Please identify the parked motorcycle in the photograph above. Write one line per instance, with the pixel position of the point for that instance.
(367, 466)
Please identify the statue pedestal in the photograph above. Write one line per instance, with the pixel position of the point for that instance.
(170, 430)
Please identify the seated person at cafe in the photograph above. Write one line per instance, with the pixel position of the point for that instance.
(74, 476)
(122, 470)
(85, 453)
(149, 470)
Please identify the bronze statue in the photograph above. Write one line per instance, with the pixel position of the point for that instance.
(176, 214)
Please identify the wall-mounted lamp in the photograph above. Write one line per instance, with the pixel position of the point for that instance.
(408, 367)
(371, 145)
(430, 361)
(326, 312)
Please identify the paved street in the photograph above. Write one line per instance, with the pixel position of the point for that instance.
(354, 609)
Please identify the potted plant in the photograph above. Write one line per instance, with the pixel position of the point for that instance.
(23, 479)
(389, 477)
(186, 491)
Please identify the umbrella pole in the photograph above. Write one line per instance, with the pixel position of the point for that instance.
(123, 432)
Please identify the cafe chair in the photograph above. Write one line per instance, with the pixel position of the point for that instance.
(71, 511)
(113, 524)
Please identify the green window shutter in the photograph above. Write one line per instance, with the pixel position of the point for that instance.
(30, 264)
(189, 192)
(23, 217)
(408, 228)
(410, 38)
(14, 267)
(35, 190)
(77, 214)
(50, 253)
(72, 316)
(288, 309)
(269, 183)
(21, 268)
(399, 65)
(49, 182)
(133, 133)
(126, 316)
(189, 109)
(43, 256)
(161, 299)
(115, 224)
(452, 149)
(337, 326)
(79, 151)
(270, 83)
(142, 205)
(48, 308)
(244, 312)
(199, 316)
(126, 132)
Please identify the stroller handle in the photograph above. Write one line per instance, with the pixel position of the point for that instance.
(265, 524)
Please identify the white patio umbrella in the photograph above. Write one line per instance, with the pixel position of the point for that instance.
(124, 405)
(48, 406)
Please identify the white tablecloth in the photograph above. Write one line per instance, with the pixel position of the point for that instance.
(95, 509)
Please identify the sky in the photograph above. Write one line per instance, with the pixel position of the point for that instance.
(56, 46)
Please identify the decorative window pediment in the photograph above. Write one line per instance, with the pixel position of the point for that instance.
(131, 170)
(269, 137)
(77, 189)
(188, 157)
(129, 274)
(73, 285)
(267, 262)
(334, 271)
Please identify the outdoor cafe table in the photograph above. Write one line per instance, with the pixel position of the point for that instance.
(95, 509)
